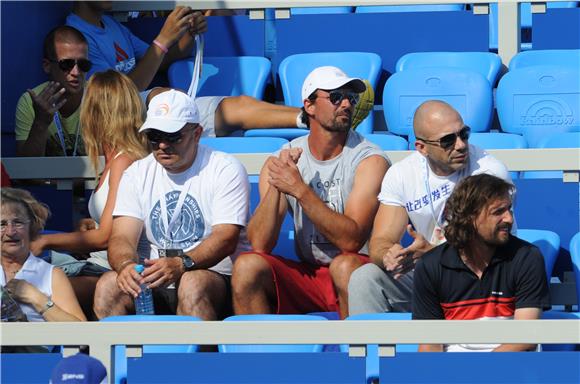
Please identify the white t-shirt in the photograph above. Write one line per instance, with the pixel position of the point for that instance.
(404, 186)
(218, 194)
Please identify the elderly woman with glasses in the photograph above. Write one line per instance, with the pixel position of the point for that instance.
(42, 291)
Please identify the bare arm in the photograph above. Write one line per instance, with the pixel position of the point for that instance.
(348, 231)
(431, 348)
(184, 47)
(388, 229)
(122, 252)
(92, 240)
(221, 243)
(264, 226)
(521, 314)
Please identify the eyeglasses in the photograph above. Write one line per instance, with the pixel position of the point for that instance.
(66, 65)
(449, 140)
(336, 97)
(155, 137)
(17, 224)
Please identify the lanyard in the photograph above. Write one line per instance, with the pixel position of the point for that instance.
(168, 225)
(60, 132)
(199, 43)
(437, 220)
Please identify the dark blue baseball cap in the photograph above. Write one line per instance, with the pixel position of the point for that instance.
(79, 369)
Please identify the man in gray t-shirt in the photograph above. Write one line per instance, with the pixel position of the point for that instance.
(328, 181)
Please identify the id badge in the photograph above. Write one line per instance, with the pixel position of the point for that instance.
(438, 236)
(169, 252)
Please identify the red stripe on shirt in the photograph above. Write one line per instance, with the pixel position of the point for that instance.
(478, 308)
(121, 54)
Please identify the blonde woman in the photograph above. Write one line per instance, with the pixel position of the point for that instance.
(111, 114)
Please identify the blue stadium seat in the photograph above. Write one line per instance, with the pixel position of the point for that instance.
(486, 63)
(538, 100)
(223, 76)
(497, 140)
(547, 241)
(560, 315)
(410, 8)
(387, 142)
(294, 69)
(575, 256)
(272, 348)
(244, 144)
(120, 361)
(467, 91)
(285, 133)
(320, 10)
(558, 57)
(554, 140)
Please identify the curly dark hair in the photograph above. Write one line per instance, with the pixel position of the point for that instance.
(38, 212)
(468, 199)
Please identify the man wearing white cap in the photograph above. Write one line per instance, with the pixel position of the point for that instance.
(328, 181)
(192, 203)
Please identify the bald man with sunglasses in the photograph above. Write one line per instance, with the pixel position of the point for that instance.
(412, 198)
(47, 116)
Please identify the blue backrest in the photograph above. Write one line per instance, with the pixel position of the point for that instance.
(486, 63)
(294, 69)
(273, 348)
(537, 100)
(410, 8)
(387, 142)
(559, 315)
(558, 57)
(547, 241)
(467, 91)
(554, 140)
(120, 360)
(575, 256)
(320, 10)
(244, 144)
(223, 76)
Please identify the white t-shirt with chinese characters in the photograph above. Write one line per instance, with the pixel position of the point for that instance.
(217, 194)
(404, 186)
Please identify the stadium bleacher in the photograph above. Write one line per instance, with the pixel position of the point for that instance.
(546, 174)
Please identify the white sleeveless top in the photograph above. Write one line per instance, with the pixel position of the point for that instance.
(97, 203)
(38, 273)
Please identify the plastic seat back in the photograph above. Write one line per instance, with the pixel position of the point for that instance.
(538, 100)
(320, 10)
(575, 256)
(273, 348)
(547, 241)
(224, 76)
(554, 140)
(467, 91)
(559, 315)
(387, 142)
(120, 360)
(558, 57)
(294, 69)
(244, 144)
(410, 8)
(486, 63)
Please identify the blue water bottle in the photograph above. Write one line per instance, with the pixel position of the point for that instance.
(144, 301)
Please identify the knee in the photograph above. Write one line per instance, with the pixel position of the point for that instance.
(106, 292)
(196, 285)
(249, 270)
(365, 277)
(343, 265)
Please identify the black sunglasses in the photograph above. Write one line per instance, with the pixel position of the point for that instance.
(155, 137)
(336, 97)
(66, 65)
(449, 140)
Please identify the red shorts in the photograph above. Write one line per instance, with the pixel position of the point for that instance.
(303, 287)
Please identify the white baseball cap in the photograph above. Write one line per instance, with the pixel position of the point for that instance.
(329, 78)
(169, 111)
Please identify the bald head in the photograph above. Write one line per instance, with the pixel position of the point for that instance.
(432, 116)
(61, 34)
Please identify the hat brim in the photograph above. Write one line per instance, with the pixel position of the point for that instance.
(163, 125)
(357, 85)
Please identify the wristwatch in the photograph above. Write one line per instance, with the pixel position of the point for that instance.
(49, 304)
(187, 262)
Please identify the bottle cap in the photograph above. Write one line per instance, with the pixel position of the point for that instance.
(139, 268)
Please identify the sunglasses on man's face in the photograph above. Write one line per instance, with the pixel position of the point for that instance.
(449, 140)
(336, 97)
(155, 137)
(66, 65)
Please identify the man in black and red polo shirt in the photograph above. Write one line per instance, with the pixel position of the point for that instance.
(482, 272)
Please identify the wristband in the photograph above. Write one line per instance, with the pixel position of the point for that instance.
(161, 46)
(124, 263)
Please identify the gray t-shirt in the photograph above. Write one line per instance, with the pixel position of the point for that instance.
(332, 181)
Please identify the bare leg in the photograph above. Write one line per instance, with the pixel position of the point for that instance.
(340, 270)
(84, 287)
(204, 294)
(245, 112)
(253, 286)
(109, 299)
